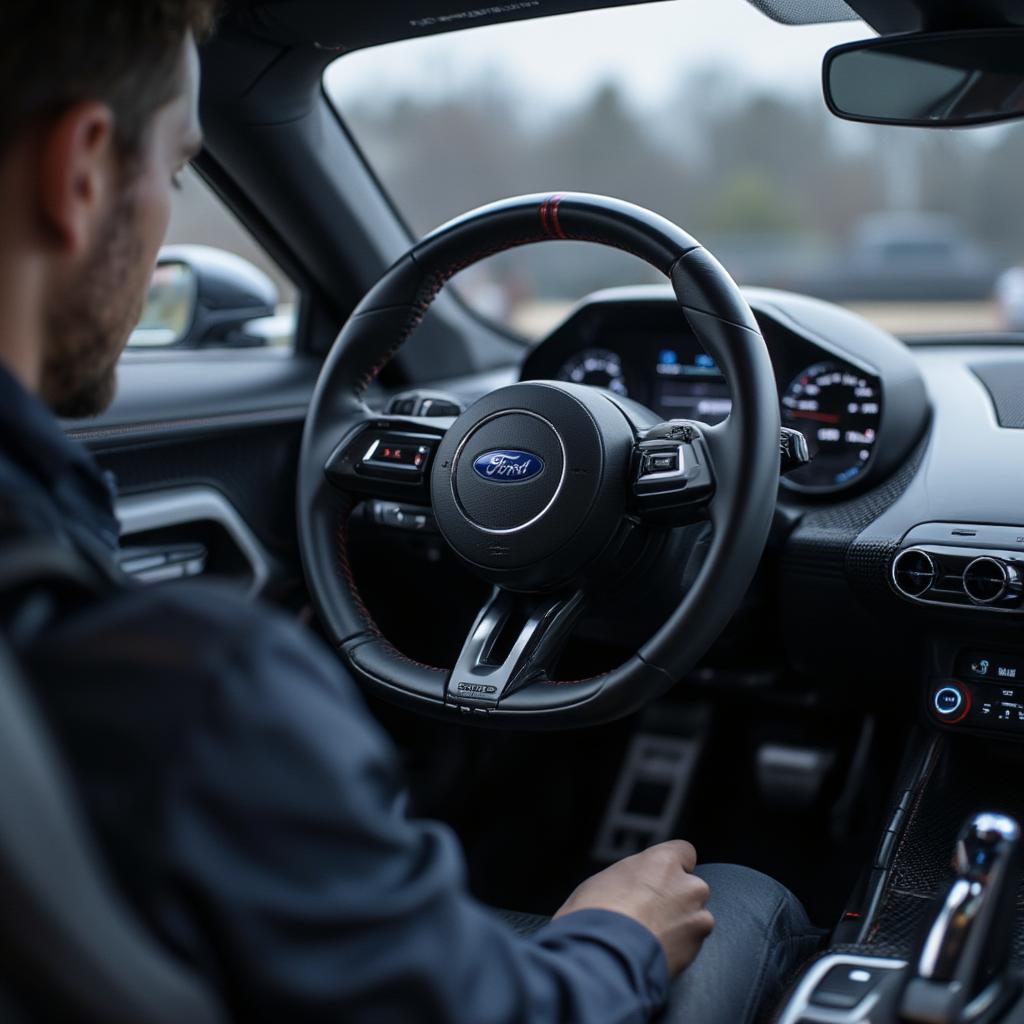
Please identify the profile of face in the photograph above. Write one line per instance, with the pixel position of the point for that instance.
(104, 287)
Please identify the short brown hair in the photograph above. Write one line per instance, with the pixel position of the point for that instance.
(125, 53)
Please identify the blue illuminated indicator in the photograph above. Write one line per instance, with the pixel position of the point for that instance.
(668, 357)
(705, 361)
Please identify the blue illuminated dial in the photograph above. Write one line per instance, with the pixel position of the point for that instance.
(838, 409)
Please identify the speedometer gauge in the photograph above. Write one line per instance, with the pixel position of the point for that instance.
(837, 408)
(597, 366)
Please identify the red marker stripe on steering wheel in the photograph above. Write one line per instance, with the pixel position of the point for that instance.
(549, 223)
(556, 227)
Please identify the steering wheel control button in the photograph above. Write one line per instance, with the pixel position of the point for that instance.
(846, 986)
(384, 462)
(672, 478)
(396, 454)
(402, 517)
(423, 403)
(662, 462)
(950, 702)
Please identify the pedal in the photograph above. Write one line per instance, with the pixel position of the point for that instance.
(648, 796)
(791, 776)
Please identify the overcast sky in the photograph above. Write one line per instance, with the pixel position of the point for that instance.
(647, 48)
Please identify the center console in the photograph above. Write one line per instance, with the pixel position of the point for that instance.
(934, 934)
(969, 577)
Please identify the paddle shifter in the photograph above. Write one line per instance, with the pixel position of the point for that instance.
(960, 972)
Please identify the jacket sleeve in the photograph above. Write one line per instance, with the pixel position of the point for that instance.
(294, 877)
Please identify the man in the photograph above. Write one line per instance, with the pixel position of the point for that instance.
(245, 801)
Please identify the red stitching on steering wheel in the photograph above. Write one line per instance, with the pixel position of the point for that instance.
(346, 570)
(551, 228)
(345, 565)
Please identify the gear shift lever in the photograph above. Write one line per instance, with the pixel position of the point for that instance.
(960, 970)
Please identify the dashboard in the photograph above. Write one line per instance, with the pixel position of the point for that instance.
(850, 388)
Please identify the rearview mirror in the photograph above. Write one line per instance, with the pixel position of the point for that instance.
(931, 79)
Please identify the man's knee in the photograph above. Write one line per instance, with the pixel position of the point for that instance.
(742, 893)
(761, 936)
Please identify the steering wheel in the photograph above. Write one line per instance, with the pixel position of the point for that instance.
(548, 490)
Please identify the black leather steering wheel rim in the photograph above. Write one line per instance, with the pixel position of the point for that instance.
(744, 450)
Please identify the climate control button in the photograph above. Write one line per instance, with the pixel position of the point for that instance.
(950, 702)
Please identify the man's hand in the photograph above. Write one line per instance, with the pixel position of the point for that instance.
(656, 889)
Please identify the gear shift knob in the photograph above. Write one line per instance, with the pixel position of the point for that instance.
(982, 842)
(962, 961)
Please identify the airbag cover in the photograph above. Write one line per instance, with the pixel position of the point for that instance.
(529, 484)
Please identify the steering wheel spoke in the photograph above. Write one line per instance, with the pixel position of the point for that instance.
(387, 457)
(673, 479)
(516, 640)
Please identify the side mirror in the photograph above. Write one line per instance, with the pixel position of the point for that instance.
(201, 297)
(929, 79)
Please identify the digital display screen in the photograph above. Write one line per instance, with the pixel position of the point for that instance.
(688, 385)
(672, 375)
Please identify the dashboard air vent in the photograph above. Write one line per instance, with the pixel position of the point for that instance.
(914, 572)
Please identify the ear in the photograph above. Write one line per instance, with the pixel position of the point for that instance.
(76, 168)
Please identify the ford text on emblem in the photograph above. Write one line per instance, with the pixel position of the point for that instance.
(507, 465)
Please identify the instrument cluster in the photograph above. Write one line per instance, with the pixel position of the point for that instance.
(636, 343)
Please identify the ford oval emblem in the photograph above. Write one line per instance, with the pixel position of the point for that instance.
(507, 465)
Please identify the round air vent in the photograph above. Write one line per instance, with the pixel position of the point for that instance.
(914, 572)
(985, 580)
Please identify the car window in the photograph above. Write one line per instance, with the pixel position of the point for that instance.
(214, 285)
(711, 114)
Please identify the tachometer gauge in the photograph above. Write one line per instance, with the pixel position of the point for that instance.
(597, 366)
(837, 408)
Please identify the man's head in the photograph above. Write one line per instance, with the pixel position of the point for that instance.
(97, 118)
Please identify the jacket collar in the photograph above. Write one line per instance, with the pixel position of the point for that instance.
(46, 470)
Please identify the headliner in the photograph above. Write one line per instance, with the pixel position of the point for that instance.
(341, 27)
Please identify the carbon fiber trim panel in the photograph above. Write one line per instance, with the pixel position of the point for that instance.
(963, 783)
(824, 542)
(1004, 382)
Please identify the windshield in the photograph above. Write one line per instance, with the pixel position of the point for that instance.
(710, 114)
